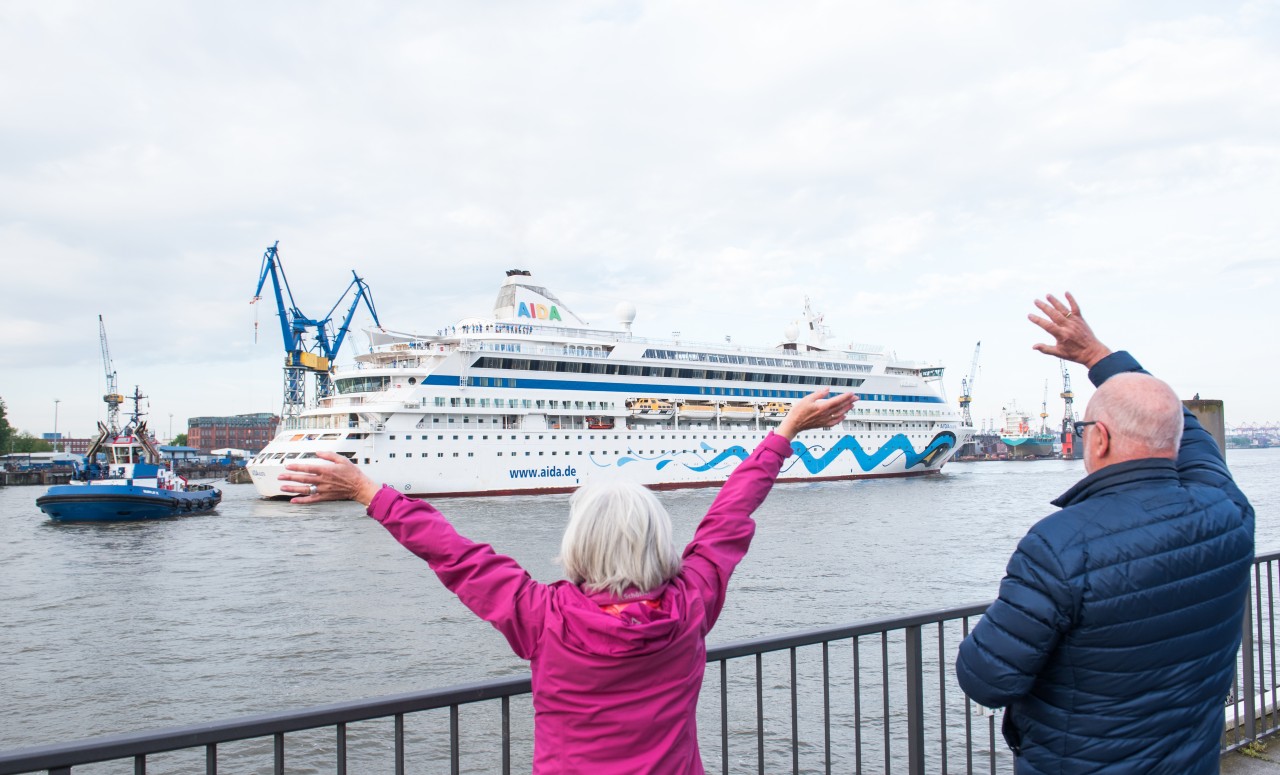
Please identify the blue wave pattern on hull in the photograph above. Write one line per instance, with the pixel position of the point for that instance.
(816, 464)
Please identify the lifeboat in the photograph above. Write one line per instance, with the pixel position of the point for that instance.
(599, 423)
(737, 413)
(774, 410)
(650, 407)
(693, 410)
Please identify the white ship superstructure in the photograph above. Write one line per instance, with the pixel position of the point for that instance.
(533, 399)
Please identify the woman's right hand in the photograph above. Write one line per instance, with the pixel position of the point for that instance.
(815, 411)
(338, 479)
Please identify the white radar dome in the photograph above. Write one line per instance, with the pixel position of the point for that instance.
(625, 312)
(791, 332)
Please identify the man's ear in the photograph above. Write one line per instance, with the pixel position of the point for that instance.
(1101, 441)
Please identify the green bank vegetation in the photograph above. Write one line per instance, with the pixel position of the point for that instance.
(13, 440)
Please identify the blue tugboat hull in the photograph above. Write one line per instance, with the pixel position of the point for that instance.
(123, 503)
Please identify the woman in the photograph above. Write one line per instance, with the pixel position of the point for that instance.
(617, 652)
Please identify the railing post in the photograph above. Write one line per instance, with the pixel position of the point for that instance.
(915, 701)
(1249, 679)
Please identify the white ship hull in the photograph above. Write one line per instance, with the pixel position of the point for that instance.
(507, 404)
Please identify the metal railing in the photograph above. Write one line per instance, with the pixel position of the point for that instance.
(877, 696)
(1252, 712)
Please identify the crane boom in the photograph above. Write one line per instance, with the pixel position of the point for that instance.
(1068, 399)
(966, 387)
(1044, 409)
(316, 357)
(1069, 448)
(112, 397)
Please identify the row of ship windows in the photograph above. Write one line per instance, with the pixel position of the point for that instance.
(378, 383)
(752, 360)
(483, 403)
(514, 437)
(669, 372)
(336, 421)
(639, 436)
(524, 403)
(553, 454)
(703, 390)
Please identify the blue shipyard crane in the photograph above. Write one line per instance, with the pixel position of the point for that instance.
(310, 344)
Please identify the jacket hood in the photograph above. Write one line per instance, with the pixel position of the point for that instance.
(638, 629)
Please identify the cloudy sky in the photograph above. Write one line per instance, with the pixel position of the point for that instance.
(921, 170)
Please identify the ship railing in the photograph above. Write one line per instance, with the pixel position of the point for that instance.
(852, 351)
(875, 696)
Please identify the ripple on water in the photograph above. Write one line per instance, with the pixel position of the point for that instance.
(267, 606)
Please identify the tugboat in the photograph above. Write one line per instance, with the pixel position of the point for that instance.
(132, 484)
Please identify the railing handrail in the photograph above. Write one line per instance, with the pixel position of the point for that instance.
(842, 632)
(60, 757)
(96, 749)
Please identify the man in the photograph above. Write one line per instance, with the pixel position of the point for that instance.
(1112, 644)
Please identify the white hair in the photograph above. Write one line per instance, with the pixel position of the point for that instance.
(1140, 409)
(618, 539)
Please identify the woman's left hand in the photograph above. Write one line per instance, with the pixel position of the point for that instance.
(816, 411)
(337, 479)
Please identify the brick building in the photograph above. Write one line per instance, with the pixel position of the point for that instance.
(65, 444)
(249, 432)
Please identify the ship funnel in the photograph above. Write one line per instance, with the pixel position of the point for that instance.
(522, 300)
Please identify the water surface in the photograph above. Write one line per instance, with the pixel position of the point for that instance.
(263, 605)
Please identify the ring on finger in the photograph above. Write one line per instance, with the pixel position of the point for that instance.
(314, 489)
(1067, 315)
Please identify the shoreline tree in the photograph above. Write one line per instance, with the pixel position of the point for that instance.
(5, 429)
(13, 440)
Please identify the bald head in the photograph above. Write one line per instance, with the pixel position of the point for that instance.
(1142, 415)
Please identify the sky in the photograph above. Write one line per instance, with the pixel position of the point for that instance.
(922, 171)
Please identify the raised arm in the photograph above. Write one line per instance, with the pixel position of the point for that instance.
(725, 533)
(1199, 457)
(492, 585)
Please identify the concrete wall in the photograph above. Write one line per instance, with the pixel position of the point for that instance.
(1212, 417)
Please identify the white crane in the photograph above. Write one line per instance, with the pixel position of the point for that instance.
(1044, 409)
(112, 397)
(966, 387)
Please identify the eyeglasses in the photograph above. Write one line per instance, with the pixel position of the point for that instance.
(1079, 426)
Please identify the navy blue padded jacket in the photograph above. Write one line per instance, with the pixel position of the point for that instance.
(1113, 642)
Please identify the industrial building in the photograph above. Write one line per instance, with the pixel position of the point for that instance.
(249, 432)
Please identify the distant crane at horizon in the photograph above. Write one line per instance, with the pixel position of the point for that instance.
(112, 398)
(1068, 413)
(966, 397)
(966, 387)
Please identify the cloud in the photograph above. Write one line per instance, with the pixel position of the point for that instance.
(920, 170)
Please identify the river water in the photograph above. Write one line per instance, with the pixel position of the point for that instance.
(265, 606)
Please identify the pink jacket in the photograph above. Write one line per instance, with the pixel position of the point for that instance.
(611, 694)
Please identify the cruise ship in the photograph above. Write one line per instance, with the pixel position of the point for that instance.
(533, 399)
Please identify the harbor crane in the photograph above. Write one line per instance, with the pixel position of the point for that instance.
(966, 387)
(1044, 409)
(1068, 413)
(112, 398)
(317, 355)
